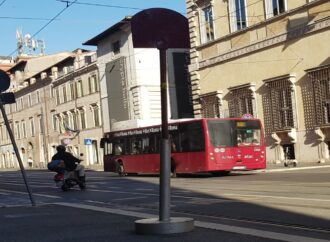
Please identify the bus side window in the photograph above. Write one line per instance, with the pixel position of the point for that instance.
(117, 149)
(184, 143)
(107, 148)
(136, 146)
(145, 145)
(174, 139)
(153, 144)
(192, 137)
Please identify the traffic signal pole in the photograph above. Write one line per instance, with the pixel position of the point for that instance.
(11, 135)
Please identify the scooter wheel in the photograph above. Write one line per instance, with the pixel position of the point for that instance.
(82, 186)
(65, 187)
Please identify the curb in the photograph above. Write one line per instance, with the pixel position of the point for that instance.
(294, 168)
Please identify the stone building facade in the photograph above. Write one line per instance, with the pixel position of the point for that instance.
(270, 59)
(57, 102)
(130, 80)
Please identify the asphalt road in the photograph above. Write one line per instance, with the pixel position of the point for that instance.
(289, 202)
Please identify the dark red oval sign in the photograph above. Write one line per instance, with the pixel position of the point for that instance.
(160, 28)
(4, 81)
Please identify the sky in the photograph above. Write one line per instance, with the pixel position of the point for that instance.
(65, 25)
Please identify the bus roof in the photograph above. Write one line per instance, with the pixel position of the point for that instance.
(142, 125)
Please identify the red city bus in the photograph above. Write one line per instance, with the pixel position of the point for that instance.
(211, 145)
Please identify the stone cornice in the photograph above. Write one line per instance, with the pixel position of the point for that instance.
(294, 34)
(75, 74)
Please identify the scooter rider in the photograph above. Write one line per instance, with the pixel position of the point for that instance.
(71, 162)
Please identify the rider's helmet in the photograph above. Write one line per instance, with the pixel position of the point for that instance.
(60, 148)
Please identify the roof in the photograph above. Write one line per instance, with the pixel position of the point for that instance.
(94, 41)
(18, 65)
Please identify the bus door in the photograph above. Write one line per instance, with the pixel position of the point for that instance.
(107, 155)
(190, 148)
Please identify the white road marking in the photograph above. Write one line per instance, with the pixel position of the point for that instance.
(36, 194)
(126, 198)
(277, 197)
(206, 225)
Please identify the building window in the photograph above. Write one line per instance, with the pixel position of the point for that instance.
(75, 121)
(82, 115)
(320, 78)
(282, 102)
(211, 105)
(72, 91)
(275, 7)
(207, 25)
(29, 100)
(242, 100)
(116, 47)
(61, 123)
(38, 97)
(79, 89)
(54, 122)
(32, 127)
(51, 90)
(65, 98)
(41, 125)
(17, 130)
(69, 95)
(93, 84)
(23, 129)
(237, 13)
(96, 114)
(58, 100)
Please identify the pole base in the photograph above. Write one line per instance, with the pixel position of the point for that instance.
(155, 226)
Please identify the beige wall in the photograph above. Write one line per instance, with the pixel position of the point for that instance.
(286, 44)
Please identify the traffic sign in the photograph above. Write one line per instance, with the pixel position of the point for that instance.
(7, 98)
(88, 141)
(4, 81)
(160, 28)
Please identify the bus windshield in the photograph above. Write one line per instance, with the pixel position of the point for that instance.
(233, 133)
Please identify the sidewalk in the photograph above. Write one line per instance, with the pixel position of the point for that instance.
(273, 167)
(54, 222)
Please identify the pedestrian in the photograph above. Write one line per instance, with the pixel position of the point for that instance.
(30, 162)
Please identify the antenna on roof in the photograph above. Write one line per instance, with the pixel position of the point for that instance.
(26, 45)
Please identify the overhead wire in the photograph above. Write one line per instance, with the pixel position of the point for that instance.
(2, 2)
(99, 5)
(23, 18)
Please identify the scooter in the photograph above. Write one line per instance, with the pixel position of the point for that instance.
(69, 179)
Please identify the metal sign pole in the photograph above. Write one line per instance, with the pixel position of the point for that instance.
(11, 135)
(169, 31)
(165, 157)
